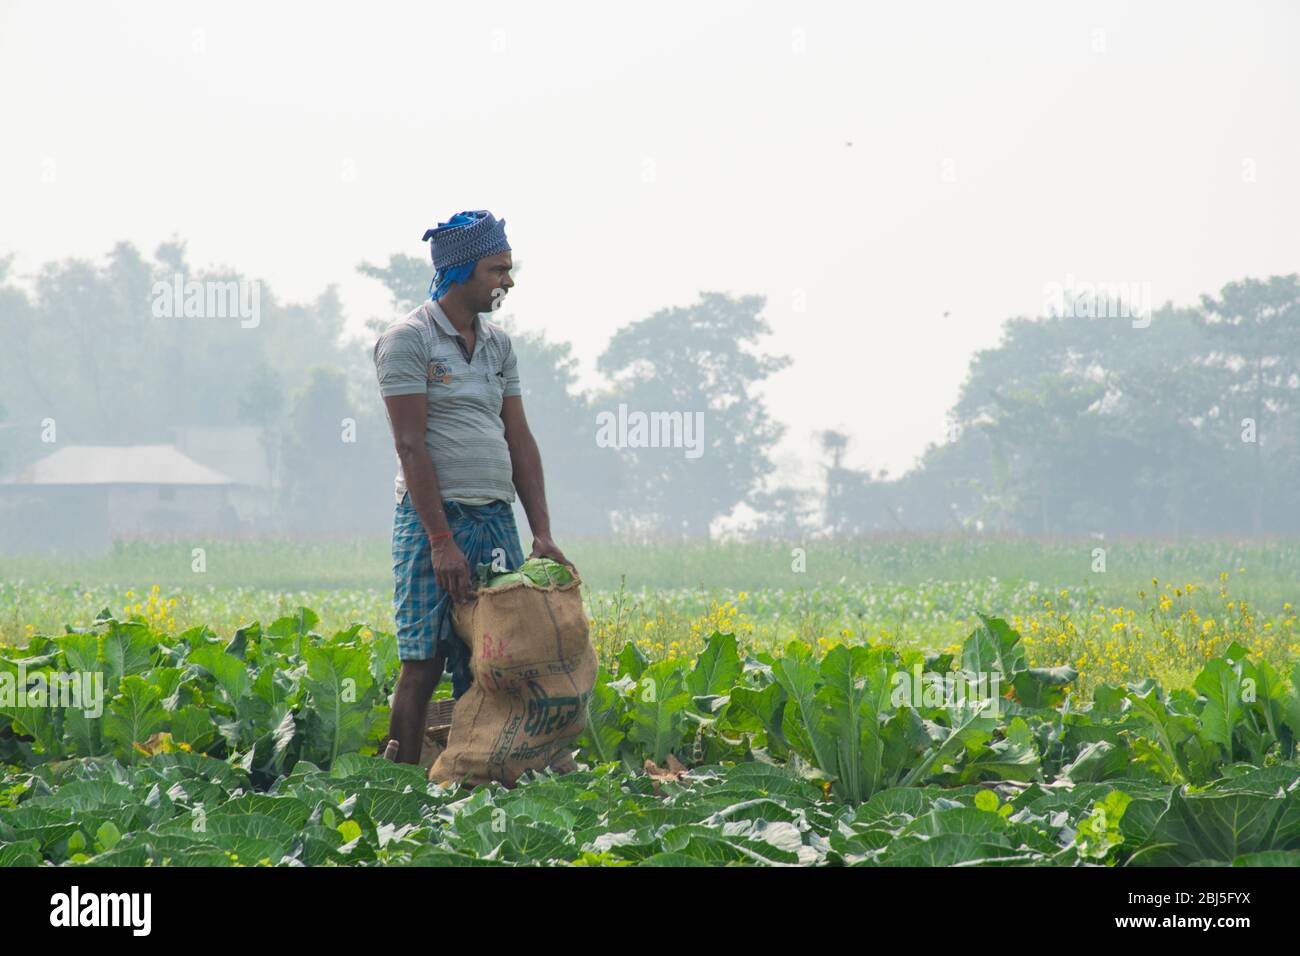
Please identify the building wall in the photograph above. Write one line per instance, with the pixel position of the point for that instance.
(80, 518)
(169, 509)
(68, 518)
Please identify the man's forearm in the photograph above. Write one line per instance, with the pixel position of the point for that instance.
(526, 465)
(426, 495)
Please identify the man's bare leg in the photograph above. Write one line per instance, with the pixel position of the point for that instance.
(415, 686)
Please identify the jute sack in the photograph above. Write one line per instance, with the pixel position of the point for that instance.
(534, 669)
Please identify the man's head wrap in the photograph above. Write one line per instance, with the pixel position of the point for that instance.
(456, 245)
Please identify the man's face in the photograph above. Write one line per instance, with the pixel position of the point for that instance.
(487, 287)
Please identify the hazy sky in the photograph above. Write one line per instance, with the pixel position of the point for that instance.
(640, 153)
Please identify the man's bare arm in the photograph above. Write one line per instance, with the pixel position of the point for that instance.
(408, 417)
(526, 466)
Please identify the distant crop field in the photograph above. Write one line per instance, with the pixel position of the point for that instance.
(1157, 609)
(277, 563)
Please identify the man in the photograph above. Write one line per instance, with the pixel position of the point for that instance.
(450, 386)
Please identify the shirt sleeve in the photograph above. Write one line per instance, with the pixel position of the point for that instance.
(511, 369)
(399, 362)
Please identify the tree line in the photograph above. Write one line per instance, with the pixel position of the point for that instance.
(1071, 425)
(1075, 424)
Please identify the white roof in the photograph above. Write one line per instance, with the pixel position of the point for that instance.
(119, 465)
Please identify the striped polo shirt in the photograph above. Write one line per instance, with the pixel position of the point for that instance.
(466, 438)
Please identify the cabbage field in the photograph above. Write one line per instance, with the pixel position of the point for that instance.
(256, 746)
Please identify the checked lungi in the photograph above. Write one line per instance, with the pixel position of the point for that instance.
(422, 609)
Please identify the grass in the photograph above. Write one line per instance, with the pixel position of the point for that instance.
(360, 562)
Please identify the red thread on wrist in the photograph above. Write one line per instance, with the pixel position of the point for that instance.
(439, 534)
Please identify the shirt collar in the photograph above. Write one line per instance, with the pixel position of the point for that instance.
(482, 331)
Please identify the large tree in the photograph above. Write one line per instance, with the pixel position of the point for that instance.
(338, 460)
(93, 347)
(694, 361)
(1254, 328)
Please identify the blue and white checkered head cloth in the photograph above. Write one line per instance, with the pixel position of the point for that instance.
(456, 245)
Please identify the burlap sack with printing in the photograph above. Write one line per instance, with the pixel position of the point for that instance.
(534, 669)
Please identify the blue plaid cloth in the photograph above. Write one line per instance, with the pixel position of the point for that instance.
(422, 609)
